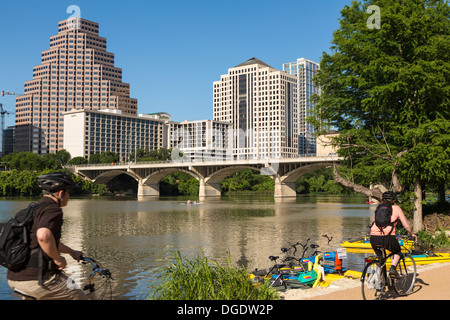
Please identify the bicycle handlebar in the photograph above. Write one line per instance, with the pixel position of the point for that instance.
(96, 267)
(328, 238)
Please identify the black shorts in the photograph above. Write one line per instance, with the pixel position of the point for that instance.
(388, 242)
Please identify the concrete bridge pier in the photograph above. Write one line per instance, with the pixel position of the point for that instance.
(148, 190)
(284, 189)
(209, 189)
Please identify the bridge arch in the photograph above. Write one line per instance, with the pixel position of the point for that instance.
(149, 185)
(221, 174)
(294, 175)
(285, 183)
(157, 176)
(105, 177)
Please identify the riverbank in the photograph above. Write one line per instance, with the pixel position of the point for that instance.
(432, 283)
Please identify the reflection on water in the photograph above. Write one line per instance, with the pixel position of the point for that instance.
(133, 238)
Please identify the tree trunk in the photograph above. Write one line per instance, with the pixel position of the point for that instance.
(418, 225)
(374, 193)
(441, 191)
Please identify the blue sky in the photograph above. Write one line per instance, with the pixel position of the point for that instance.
(171, 51)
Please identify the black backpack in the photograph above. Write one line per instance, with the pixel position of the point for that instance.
(15, 239)
(383, 214)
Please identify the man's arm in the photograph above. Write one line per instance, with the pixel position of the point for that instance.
(74, 253)
(48, 245)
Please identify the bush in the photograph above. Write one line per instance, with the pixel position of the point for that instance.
(203, 279)
(438, 241)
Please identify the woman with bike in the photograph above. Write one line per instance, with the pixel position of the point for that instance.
(385, 237)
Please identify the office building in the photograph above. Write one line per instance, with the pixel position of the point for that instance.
(260, 103)
(76, 73)
(304, 70)
(8, 137)
(201, 140)
(87, 132)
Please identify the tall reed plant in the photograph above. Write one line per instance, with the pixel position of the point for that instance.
(205, 279)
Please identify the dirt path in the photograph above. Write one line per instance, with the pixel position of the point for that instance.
(432, 283)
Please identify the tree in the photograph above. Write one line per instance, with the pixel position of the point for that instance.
(77, 161)
(161, 154)
(386, 92)
(104, 157)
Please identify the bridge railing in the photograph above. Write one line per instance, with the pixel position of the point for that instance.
(198, 161)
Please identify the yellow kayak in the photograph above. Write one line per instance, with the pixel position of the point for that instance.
(424, 259)
(365, 244)
(330, 277)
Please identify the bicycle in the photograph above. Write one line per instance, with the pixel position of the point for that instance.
(375, 282)
(94, 283)
(278, 275)
(97, 269)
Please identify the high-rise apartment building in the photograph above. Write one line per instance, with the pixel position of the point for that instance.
(77, 72)
(260, 102)
(305, 70)
(87, 132)
(200, 140)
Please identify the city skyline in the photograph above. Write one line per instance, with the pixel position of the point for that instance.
(169, 37)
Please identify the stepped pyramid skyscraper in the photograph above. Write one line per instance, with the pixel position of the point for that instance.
(77, 72)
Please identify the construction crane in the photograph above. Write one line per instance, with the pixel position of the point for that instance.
(3, 112)
(10, 93)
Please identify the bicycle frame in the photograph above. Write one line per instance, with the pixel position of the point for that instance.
(97, 269)
(401, 285)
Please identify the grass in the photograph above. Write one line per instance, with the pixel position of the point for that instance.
(205, 279)
(438, 241)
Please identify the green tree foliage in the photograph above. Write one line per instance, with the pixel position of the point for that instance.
(104, 157)
(386, 92)
(179, 183)
(247, 180)
(145, 155)
(77, 161)
(25, 183)
(26, 167)
(32, 161)
(320, 180)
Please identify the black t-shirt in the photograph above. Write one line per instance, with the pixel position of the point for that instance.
(50, 216)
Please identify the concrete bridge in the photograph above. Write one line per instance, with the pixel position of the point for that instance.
(285, 172)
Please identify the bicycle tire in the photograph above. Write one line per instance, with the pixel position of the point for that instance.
(406, 268)
(372, 281)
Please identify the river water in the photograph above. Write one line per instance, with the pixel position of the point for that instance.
(135, 238)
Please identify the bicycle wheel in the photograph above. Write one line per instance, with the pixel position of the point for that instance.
(406, 268)
(372, 281)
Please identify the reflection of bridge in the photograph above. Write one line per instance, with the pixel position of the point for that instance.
(209, 173)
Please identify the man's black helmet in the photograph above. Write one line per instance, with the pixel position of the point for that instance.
(389, 196)
(54, 182)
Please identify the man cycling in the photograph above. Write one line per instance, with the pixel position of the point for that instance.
(385, 237)
(43, 278)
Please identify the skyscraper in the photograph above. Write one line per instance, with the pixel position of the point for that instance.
(77, 72)
(305, 70)
(260, 102)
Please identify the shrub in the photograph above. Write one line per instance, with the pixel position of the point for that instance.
(204, 279)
